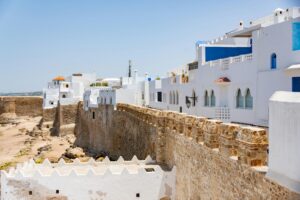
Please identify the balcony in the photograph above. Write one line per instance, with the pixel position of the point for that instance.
(224, 63)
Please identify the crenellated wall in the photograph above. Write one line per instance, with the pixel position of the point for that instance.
(214, 160)
(120, 180)
(119, 133)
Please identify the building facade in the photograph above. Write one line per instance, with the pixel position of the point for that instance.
(233, 77)
(66, 90)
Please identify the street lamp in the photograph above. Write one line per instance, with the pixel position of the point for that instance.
(191, 100)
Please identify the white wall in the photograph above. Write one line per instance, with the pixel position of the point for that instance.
(284, 137)
(119, 180)
(253, 72)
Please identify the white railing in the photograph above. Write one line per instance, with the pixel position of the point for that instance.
(268, 20)
(248, 57)
(222, 113)
(224, 63)
(214, 63)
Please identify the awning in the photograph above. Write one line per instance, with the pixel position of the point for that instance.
(293, 70)
(222, 81)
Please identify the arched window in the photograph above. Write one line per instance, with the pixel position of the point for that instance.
(239, 99)
(206, 98)
(248, 99)
(174, 98)
(177, 98)
(273, 61)
(64, 96)
(170, 98)
(212, 99)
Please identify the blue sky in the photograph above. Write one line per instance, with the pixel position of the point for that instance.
(42, 39)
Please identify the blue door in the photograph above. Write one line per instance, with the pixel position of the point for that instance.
(296, 84)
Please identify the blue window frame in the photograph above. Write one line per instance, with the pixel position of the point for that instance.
(296, 36)
(296, 84)
(273, 61)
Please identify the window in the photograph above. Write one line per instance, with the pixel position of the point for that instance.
(137, 194)
(248, 99)
(105, 101)
(30, 192)
(296, 36)
(93, 115)
(239, 99)
(273, 61)
(170, 98)
(63, 96)
(159, 97)
(173, 98)
(149, 170)
(206, 98)
(57, 191)
(177, 98)
(101, 100)
(212, 99)
(110, 100)
(296, 84)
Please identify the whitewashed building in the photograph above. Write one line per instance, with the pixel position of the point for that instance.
(94, 96)
(233, 77)
(134, 90)
(284, 137)
(110, 180)
(66, 90)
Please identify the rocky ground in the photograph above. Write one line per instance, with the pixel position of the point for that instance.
(22, 139)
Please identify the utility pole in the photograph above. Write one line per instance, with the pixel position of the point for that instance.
(129, 69)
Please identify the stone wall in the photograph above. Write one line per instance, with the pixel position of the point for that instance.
(119, 133)
(49, 114)
(65, 119)
(214, 160)
(22, 106)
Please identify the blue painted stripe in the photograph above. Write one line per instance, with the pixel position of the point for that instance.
(215, 53)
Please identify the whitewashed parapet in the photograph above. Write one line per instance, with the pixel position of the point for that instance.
(133, 166)
(84, 180)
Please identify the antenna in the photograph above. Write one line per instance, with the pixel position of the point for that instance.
(129, 69)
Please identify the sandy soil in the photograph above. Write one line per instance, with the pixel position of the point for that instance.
(22, 140)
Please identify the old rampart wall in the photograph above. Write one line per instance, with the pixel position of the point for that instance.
(22, 106)
(214, 160)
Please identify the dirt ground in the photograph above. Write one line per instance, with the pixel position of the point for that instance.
(22, 140)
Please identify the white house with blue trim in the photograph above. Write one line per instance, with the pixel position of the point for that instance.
(233, 76)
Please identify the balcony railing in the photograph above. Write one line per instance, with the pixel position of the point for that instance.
(224, 63)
